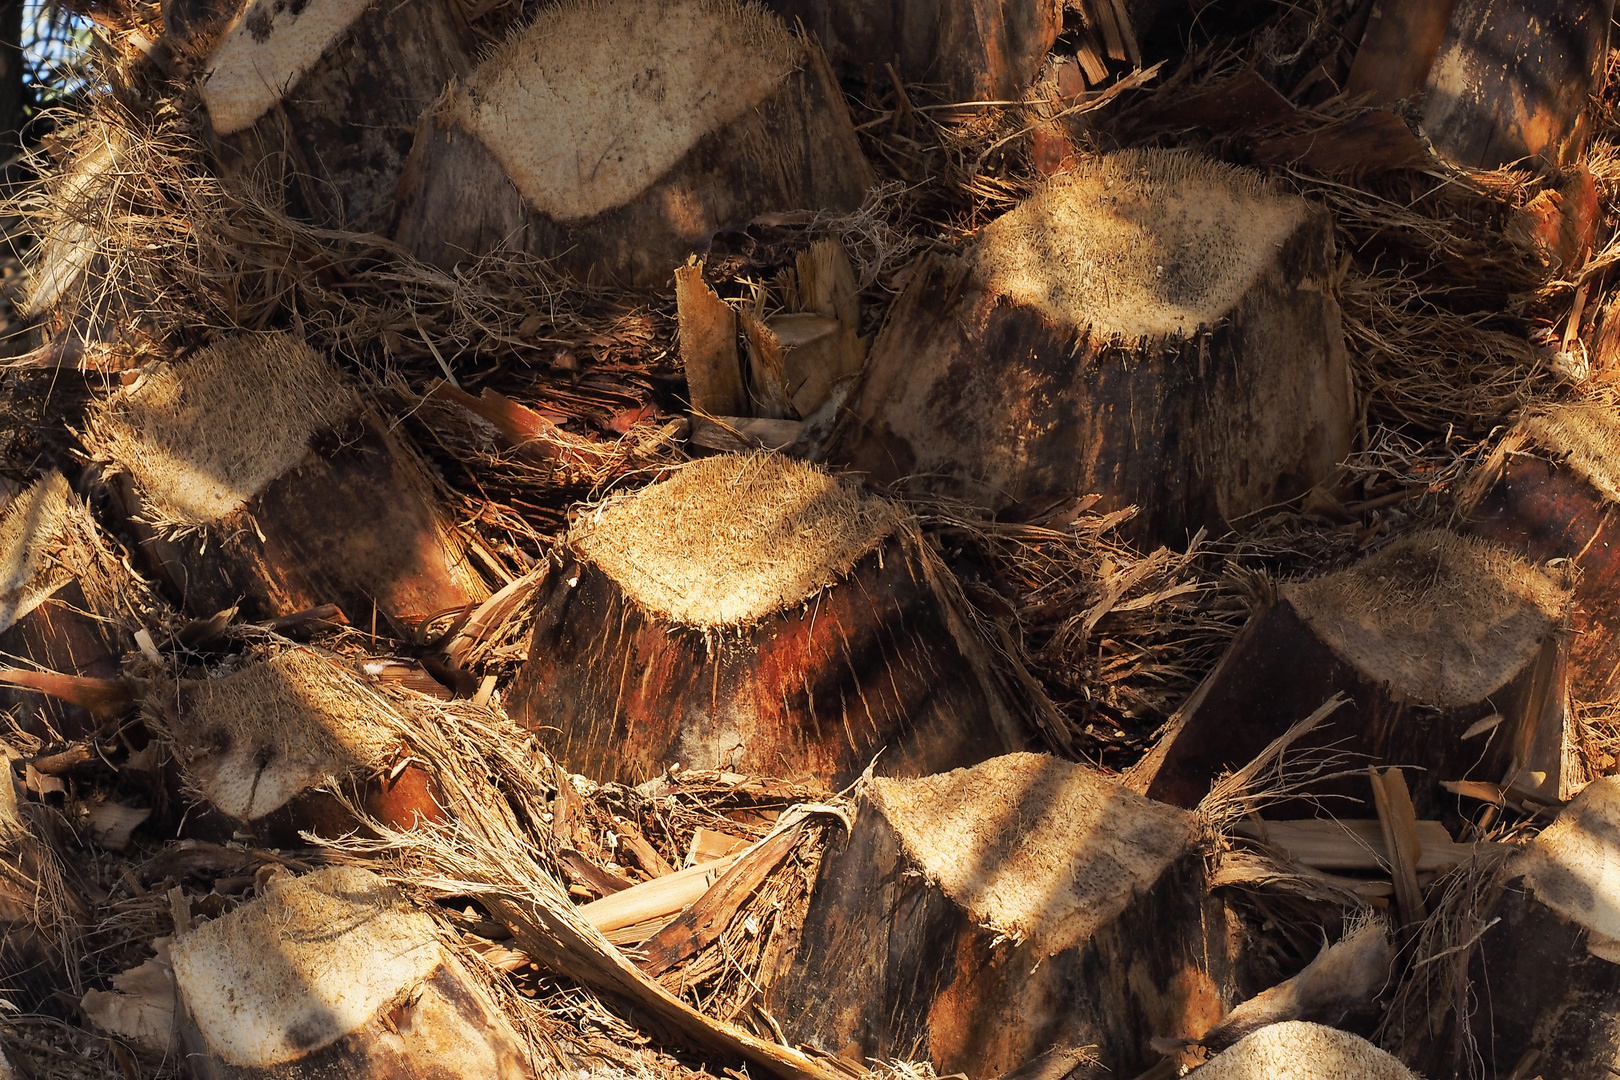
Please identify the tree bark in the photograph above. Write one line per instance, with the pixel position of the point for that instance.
(337, 510)
(978, 918)
(477, 182)
(1546, 493)
(330, 129)
(1392, 634)
(333, 975)
(872, 660)
(983, 50)
(1094, 345)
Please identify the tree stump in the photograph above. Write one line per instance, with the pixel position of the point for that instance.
(320, 100)
(1449, 648)
(58, 588)
(1499, 81)
(1551, 490)
(333, 975)
(1546, 978)
(1300, 1050)
(984, 50)
(756, 614)
(557, 146)
(262, 744)
(1134, 331)
(254, 475)
(978, 918)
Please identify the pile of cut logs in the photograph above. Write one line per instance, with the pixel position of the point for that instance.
(494, 580)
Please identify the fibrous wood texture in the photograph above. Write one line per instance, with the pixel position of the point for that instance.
(1303, 1051)
(556, 146)
(1551, 492)
(756, 614)
(1129, 332)
(254, 476)
(262, 743)
(1499, 81)
(50, 570)
(320, 100)
(978, 50)
(1429, 637)
(980, 917)
(1547, 974)
(333, 975)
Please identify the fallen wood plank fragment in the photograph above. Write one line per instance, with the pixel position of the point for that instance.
(1088, 343)
(756, 614)
(973, 918)
(653, 902)
(1428, 636)
(1340, 844)
(761, 127)
(741, 434)
(706, 330)
(1399, 825)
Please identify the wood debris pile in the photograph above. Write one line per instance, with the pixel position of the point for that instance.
(816, 539)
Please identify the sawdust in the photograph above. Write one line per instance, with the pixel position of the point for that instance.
(1034, 847)
(1142, 244)
(594, 101)
(205, 436)
(1443, 619)
(732, 539)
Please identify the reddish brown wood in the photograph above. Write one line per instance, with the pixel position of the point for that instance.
(1512, 79)
(980, 50)
(1397, 49)
(60, 636)
(355, 523)
(872, 664)
(889, 965)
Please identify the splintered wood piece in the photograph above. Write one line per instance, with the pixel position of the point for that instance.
(699, 925)
(634, 914)
(1427, 637)
(1512, 79)
(1552, 491)
(1397, 49)
(320, 99)
(1119, 333)
(708, 844)
(1399, 824)
(53, 586)
(333, 974)
(258, 743)
(252, 472)
(977, 50)
(640, 849)
(707, 333)
(1543, 959)
(1301, 1050)
(1336, 844)
(743, 118)
(740, 434)
(977, 918)
(767, 369)
(759, 615)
